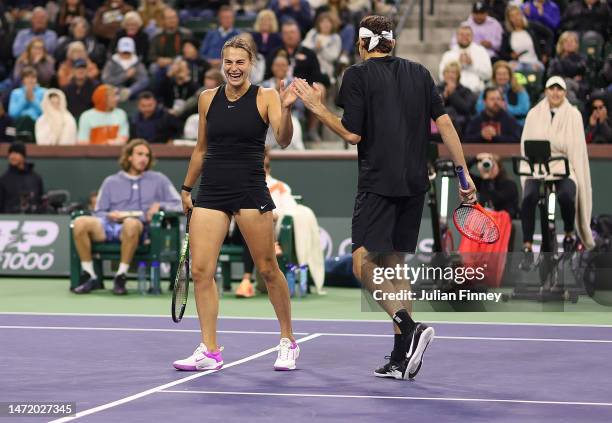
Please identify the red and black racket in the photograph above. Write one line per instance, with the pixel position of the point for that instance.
(472, 220)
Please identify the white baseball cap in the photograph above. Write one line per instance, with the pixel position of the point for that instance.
(556, 80)
(126, 45)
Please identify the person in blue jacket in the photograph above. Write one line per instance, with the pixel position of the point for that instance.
(26, 100)
(543, 11)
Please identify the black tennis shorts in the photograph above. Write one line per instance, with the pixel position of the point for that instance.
(386, 224)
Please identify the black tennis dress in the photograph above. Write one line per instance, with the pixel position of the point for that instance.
(233, 175)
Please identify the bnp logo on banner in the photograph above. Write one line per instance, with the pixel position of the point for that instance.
(25, 245)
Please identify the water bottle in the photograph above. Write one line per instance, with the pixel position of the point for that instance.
(290, 275)
(303, 280)
(142, 277)
(219, 280)
(155, 287)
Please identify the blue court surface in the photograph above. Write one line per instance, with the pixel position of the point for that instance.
(118, 369)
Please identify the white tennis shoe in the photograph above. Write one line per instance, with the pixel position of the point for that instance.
(200, 360)
(288, 352)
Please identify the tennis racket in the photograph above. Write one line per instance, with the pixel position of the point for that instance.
(472, 220)
(181, 283)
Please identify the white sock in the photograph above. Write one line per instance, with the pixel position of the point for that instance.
(123, 268)
(88, 267)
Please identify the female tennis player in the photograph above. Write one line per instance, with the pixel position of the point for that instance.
(229, 154)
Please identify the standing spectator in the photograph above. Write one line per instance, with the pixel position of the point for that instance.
(76, 51)
(526, 46)
(177, 87)
(197, 65)
(105, 124)
(80, 90)
(108, 18)
(56, 126)
(152, 122)
(38, 29)
(79, 31)
(152, 14)
(7, 126)
(36, 56)
(543, 11)
(588, 15)
(571, 65)
(21, 189)
(515, 96)
(326, 43)
(487, 31)
(493, 124)
(459, 101)
(599, 125)
(68, 10)
(25, 101)
(214, 40)
(473, 58)
(166, 45)
(296, 10)
(265, 32)
(125, 71)
(131, 27)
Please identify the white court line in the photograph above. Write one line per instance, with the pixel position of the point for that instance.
(175, 383)
(478, 338)
(386, 321)
(252, 332)
(601, 404)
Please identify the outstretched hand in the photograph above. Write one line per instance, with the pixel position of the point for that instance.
(287, 96)
(311, 96)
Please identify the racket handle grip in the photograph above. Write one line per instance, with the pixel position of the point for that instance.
(461, 175)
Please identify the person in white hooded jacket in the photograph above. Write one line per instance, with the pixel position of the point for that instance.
(56, 126)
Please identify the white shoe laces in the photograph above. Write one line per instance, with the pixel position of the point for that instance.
(283, 351)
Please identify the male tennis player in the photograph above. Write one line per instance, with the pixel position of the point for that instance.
(388, 103)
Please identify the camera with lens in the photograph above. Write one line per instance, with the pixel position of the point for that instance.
(487, 164)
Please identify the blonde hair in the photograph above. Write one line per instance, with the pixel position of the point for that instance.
(564, 36)
(516, 87)
(263, 14)
(73, 46)
(508, 24)
(453, 66)
(128, 150)
(132, 15)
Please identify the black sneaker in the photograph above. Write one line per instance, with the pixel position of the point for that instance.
(392, 369)
(119, 284)
(87, 283)
(421, 338)
(526, 263)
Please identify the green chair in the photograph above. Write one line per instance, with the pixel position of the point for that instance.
(163, 245)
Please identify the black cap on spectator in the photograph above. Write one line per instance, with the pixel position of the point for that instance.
(79, 63)
(18, 147)
(479, 7)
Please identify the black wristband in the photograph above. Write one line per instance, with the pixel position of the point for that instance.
(186, 188)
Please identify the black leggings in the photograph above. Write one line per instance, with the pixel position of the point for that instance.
(566, 196)
(236, 238)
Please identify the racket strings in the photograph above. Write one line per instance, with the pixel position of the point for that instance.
(476, 225)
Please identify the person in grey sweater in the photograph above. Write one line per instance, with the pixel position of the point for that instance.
(126, 204)
(125, 70)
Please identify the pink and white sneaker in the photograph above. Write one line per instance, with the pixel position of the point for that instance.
(288, 352)
(200, 360)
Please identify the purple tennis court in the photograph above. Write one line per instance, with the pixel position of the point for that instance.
(118, 368)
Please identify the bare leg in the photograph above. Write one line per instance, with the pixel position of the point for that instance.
(258, 232)
(130, 237)
(207, 230)
(87, 229)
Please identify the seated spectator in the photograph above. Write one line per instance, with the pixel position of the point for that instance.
(79, 31)
(68, 10)
(21, 189)
(265, 32)
(545, 12)
(588, 15)
(212, 80)
(80, 89)
(487, 31)
(105, 124)
(176, 87)
(152, 122)
(152, 14)
(571, 65)
(56, 126)
(493, 124)
(473, 58)
(214, 40)
(258, 70)
(459, 101)
(76, 51)
(495, 189)
(599, 126)
(348, 14)
(298, 11)
(125, 71)
(7, 126)
(108, 18)
(515, 97)
(111, 224)
(131, 27)
(326, 43)
(35, 56)
(197, 65)
(166, 45)
(25, 101)
(523, 41)
(38, 29)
